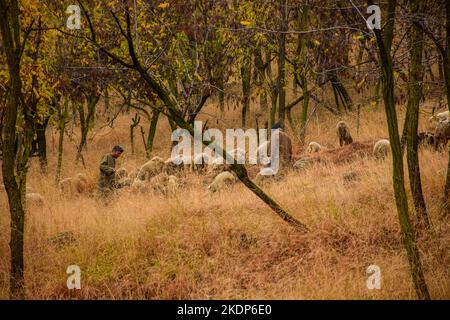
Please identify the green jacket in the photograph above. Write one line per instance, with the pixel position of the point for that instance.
(107, 172)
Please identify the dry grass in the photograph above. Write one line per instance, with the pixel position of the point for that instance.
(198, 245)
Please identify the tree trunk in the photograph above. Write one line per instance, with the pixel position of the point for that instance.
(152, 132)
(282, 61)
(302, 50)
(221, 86)
(408, 233)
(86, 121)
(10, 32)
(61, 127)
(446, 68)
(246, 74)
(412, 116)
(42, 144)
(261, 75)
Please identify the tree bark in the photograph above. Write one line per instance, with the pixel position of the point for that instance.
(246, 74)
(62, 118)
(412, 115)
(10, 32)
(446, 68)
(282, 61)
(407, 230)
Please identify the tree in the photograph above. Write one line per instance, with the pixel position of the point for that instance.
(412, 114)
(10, 27)
(408, 233)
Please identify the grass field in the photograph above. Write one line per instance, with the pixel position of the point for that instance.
(230, 245)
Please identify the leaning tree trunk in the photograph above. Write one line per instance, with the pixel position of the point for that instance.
(412, 117)
(407, 230)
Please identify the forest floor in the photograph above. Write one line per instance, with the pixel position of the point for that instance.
(229, 244)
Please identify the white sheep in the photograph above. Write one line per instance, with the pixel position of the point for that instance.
(442, 116)
(150, 168)
(442, 133)
(314, 147)
(125, 182)
(121, 173)
(70, 186)
(221, 181)
(266, 175)
(381, 149)
(172, 184)
(218, 164)
(80, 182)
(139, 186)
(34, 199)
(134, 173)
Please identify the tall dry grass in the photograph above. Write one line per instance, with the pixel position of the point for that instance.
(198, 245)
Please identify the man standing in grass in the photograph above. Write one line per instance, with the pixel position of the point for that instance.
(107, 179)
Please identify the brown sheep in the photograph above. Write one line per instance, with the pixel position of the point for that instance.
(344, 135)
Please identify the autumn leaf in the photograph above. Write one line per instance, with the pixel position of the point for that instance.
(163, 5)
(246, 23)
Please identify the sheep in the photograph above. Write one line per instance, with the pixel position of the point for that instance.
(314, 147)
(266, 175)
(344, 135)
(134, 173)
(150, 168)
(121, 173)
(172, 184)
(125, 182)
(139, 186)
(442, 134)
(439, 117)
(218, 165)
(35, 199)
(426, 138)
(80, 182)
(67, 186)
(381, 149)
(175, 164)
(70, 186)
(221, 181)
(164, 183)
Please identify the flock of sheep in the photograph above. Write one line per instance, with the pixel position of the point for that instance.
(380, 149)
(165, 176)
(438, 139)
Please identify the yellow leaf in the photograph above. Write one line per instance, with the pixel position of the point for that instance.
(358, 37)
(316, 42)
(246, 23)
(163, 5)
